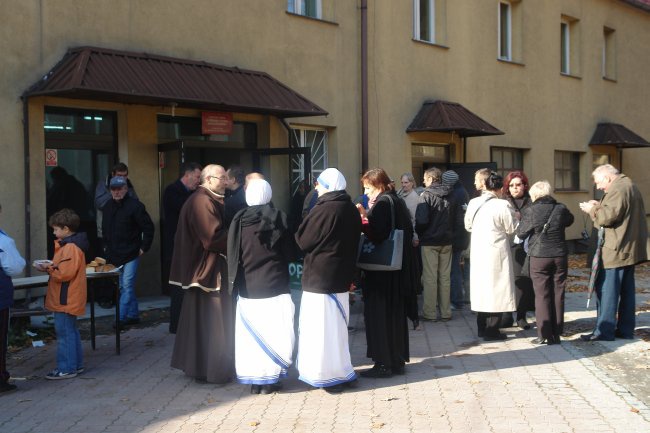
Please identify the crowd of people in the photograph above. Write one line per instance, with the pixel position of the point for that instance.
(228, 249)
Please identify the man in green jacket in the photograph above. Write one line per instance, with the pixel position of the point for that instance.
(622, 215)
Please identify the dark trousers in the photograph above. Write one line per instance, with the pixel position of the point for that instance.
(488, 324)
(4, 334)
(549, 281)
(175, 304)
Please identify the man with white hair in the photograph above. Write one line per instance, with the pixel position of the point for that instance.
(204, 344)
(329, 236)
(621, 216)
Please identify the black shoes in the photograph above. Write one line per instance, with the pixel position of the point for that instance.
(496, 337)
(619, 334)
(335, 389)
(266, 389)
(592, 337)
(7, 387)
(523, 324)
(270, 389)
(379, 371)
(127, 322)
(549, 341)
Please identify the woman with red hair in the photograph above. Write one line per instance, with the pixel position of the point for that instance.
(515, 190)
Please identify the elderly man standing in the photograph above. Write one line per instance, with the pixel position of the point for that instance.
(204, 345)
(329, 237)
(621, 216)
(173, 200)
(128, 233)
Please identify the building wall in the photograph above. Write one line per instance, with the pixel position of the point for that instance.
(538, 108)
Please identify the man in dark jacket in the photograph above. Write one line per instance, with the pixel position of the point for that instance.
(434, 228)
(235, 193)
(458, 199)
(329, 237)
(173, 200)
(128, 233)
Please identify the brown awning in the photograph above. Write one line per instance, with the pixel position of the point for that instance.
(140, 78)
(444, 116)
(613, 134)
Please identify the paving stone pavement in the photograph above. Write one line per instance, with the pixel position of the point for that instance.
(455, 382)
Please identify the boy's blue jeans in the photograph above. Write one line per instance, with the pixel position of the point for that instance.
(69, 353)
(128, 301)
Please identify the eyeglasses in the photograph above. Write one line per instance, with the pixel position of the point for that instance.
(217, 177)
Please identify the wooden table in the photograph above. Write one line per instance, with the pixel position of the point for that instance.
(41, 281)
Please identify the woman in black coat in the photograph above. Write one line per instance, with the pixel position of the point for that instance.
(386, 294)
(515, 190)
(545, 221)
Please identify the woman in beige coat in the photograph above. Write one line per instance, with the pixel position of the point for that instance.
(490, 221)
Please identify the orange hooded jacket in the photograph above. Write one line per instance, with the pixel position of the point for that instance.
(66, 289)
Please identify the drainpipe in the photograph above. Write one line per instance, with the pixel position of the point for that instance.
(27, 186)
(364, 86)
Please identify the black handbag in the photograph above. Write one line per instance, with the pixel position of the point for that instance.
(383, 256)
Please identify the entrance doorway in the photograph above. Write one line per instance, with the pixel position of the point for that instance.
(83, 148)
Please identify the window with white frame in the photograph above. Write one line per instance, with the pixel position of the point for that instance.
(567, 170)
(424, 20)
(316, 139)
(565, 48)
(609, 53)
(570, 46)
(507, 159)
(308, 8)
(505, 31)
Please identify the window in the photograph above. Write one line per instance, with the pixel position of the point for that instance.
(565, 48)
(316, 139)
(507, 159)
(505, 31)
(569, 46)
(308, 8)
(609, 53)
(424, 20)
(429, 21)
(567, 170)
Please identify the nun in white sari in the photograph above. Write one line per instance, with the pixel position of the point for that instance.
(329, 236)
(259, 250)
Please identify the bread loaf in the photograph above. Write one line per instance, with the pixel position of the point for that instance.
(100, 261)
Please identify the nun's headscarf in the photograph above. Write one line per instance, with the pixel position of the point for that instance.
(332, 180)
(258, 191)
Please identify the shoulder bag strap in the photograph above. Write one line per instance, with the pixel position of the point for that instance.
(544, 228)
(392, 212)
(479, 208)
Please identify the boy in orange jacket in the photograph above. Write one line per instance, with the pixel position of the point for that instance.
(66, 291)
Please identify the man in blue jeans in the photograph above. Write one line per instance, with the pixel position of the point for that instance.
(128, 233)
(622, 214)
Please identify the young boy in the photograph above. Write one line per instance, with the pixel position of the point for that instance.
(66, 292)
(11, 263)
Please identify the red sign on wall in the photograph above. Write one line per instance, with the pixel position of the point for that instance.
(216, 123)
(51, 158)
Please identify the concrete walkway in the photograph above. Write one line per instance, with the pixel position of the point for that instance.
(454, 382)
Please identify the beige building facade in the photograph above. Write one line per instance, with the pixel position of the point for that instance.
(544, 73)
